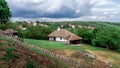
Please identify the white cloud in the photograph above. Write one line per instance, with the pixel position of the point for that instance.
(105, 13)
(76, 9)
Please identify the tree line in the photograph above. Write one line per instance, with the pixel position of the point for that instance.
(104, 36)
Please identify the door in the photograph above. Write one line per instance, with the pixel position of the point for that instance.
(54, 39)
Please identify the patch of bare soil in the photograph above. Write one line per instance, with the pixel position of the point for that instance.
(2, 48)
(68, 52)
(60, 52)
(24, 55)
(2, 41)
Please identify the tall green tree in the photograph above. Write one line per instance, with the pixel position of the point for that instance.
(107, 37)
(5, 13)
(86, 34)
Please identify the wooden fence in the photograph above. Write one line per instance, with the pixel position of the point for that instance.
(69, 60)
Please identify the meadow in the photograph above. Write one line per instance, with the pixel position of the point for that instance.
(104, 54)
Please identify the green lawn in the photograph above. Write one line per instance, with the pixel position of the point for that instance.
(58, 45)
(104, 54)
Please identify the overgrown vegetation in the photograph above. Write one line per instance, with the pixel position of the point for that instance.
(9, 54)
(36, 32)
(30, 64)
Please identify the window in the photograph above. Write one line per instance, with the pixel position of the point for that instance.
(60, 38)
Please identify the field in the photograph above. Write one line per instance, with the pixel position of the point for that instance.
(106, 55)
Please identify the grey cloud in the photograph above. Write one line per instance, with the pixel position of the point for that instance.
(74, 9)
(49, 8)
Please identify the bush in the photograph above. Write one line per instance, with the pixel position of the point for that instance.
(9, 55)
(30, 64)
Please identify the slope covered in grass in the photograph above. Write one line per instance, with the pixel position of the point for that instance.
(103, 54)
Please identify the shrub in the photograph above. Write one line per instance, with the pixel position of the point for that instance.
(30, 64)
(9, 55)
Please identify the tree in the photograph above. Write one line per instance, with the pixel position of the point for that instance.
(36, 32)
(86, 34)
(107, 37)
(5, 13)
(9, 24)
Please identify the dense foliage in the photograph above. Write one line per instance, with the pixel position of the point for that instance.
(5, 13)
(36, 32)
(104, 35)
(107, 37)
(86, 34)
(30, 64)
(9, 55)
(9, 25)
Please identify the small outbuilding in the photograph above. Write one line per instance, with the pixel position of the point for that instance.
(2, 31)
(11, 32)
(65, 36)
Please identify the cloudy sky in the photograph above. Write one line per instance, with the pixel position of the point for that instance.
(60, 10)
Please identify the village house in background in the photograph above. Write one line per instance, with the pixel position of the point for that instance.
(31, 23)
(42, 25)
(65, 36)
(72, 26)
(21, 27)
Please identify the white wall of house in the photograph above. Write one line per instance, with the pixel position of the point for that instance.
(51, 38)
(57, 39)
(60, 39)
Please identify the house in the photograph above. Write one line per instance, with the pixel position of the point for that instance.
(11, 32)
(90, 27)
(34, 23)
(43, 25)
(20, 27)
(79, 26)
(65, 36)
(72, 26)
(29, 24)
(24, 28)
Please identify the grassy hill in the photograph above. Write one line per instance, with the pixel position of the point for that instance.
(101, 53)
(14, 56)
